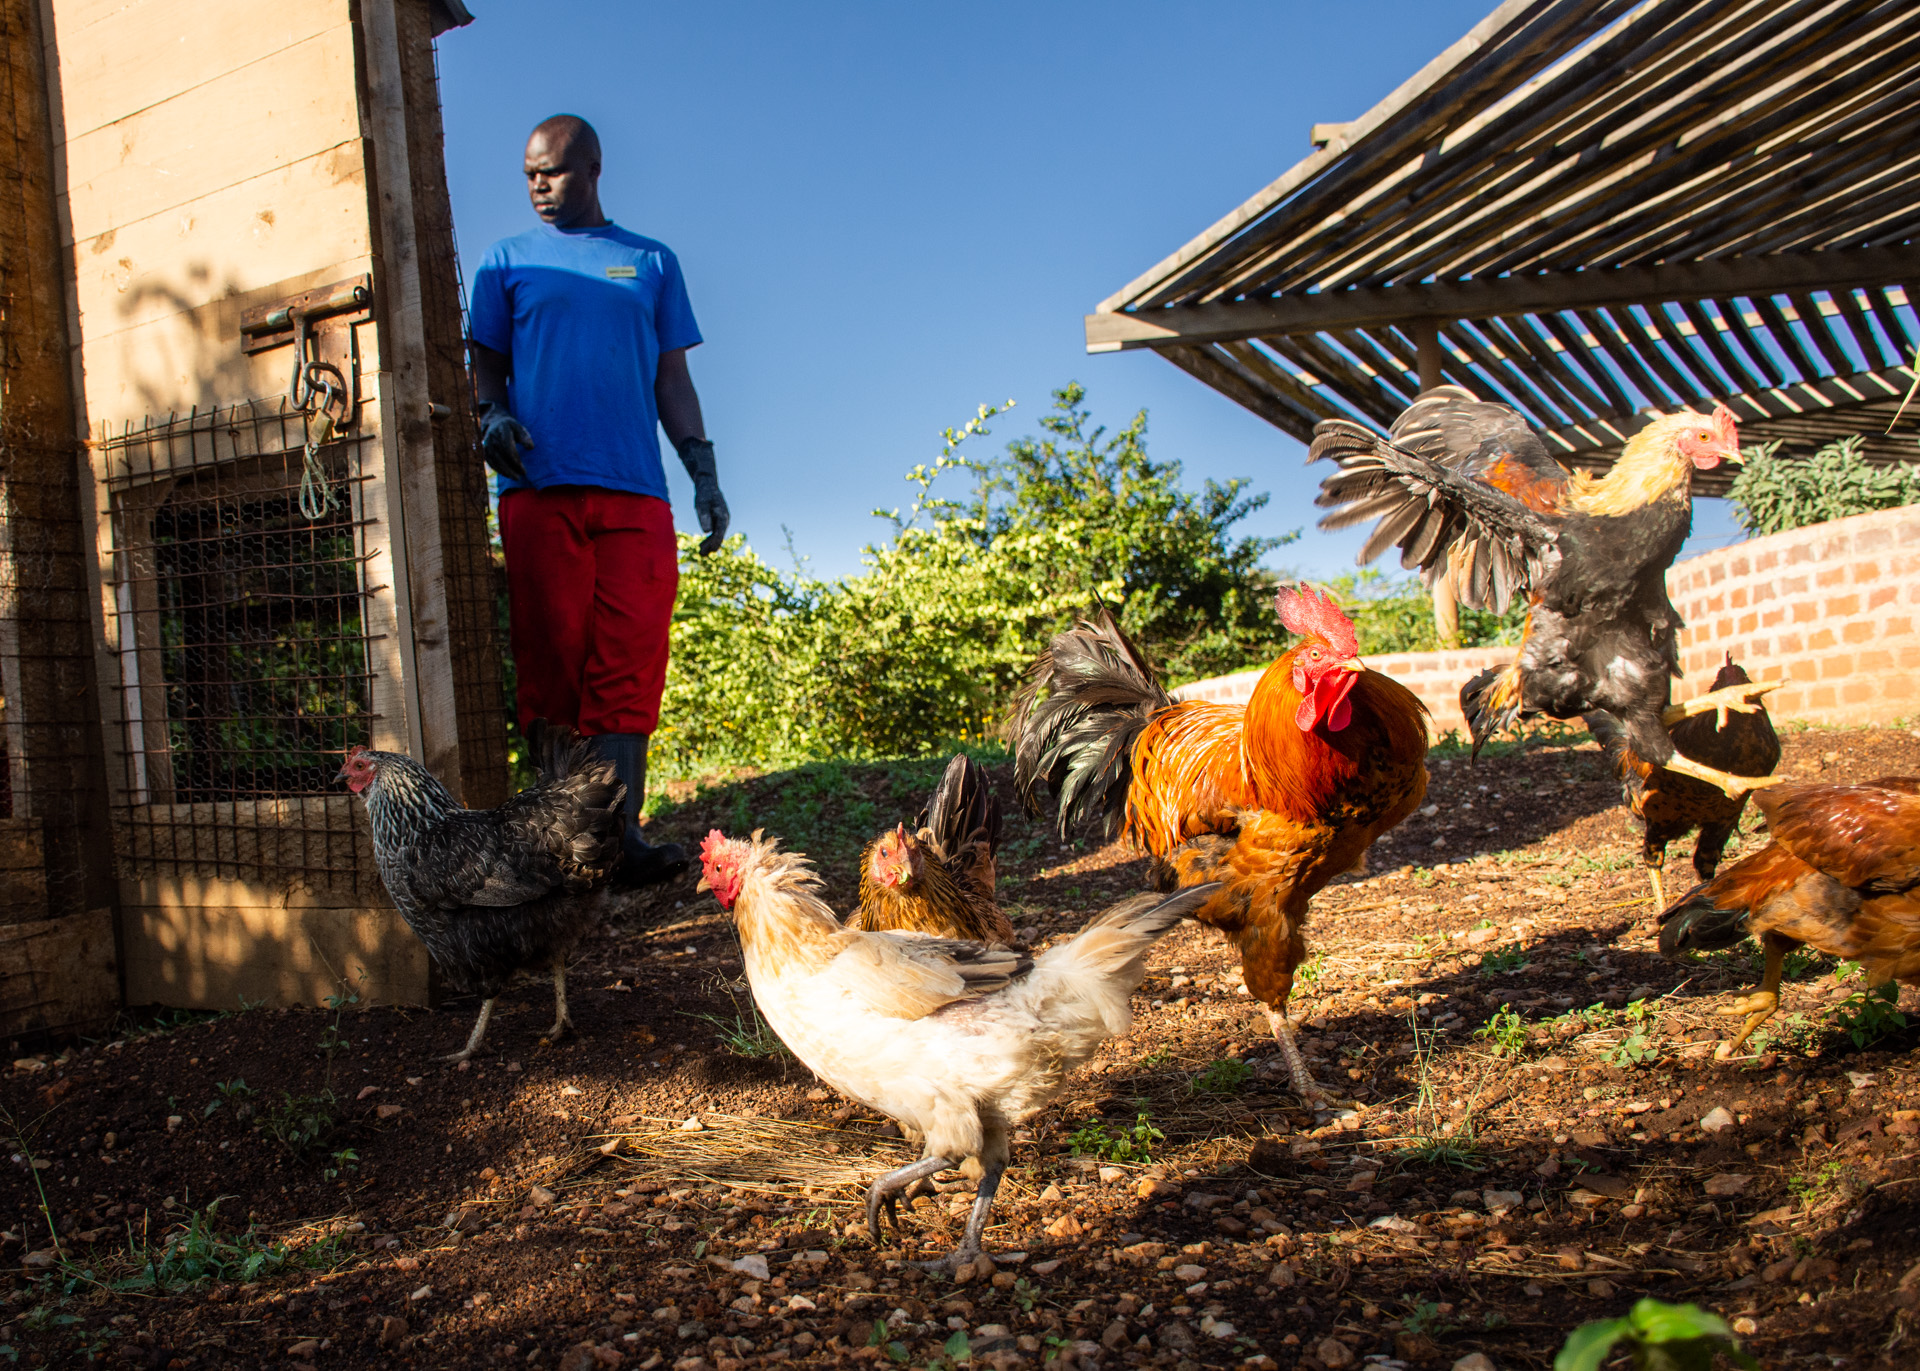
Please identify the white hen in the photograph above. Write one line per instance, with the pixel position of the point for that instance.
(955, 1041)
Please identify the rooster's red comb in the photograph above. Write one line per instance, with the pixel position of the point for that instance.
(356, 750)
(1726, 426)
(1309, 613)
(712, 847)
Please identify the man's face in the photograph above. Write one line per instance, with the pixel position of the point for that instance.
(561, 182)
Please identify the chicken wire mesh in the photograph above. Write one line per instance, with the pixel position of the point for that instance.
(239, 632)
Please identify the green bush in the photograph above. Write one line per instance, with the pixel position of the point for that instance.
(1395, 614)
(1773, 494)
(924, 646)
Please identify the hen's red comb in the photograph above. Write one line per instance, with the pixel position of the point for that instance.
(1725, 424)
(712, 846)
(1311, 614)
(355, 751)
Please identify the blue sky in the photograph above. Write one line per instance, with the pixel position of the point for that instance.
(889, 214)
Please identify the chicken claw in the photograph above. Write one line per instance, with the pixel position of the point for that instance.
(562, 1020)
(969, 1251)
(886, 1190)
(1304, 1085)
(1739, 699)
(1758, 1007)
(473, 1038)
(1734, 786)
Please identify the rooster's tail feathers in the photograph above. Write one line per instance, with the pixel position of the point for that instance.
(1074, 723)
(962, 809)
(1491, 701)
(1115, 941)
(1697, 924)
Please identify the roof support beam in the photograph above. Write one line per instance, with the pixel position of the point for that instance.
(1747, 276)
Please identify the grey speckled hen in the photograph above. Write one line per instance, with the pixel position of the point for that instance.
(490, 891)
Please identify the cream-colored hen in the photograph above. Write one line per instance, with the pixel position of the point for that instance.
(955, 1041)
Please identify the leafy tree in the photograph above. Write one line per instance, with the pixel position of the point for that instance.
(1395, 614)
(1773, 494)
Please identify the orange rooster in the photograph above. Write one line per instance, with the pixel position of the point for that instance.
(938, 877)
(1842, 875)
(1274, 798)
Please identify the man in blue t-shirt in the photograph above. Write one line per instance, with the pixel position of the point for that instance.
(580, 331)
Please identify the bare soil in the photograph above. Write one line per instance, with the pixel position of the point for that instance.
(545, 1207)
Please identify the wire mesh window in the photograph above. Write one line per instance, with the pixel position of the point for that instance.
(244, 663)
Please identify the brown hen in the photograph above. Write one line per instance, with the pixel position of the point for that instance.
(939, 876)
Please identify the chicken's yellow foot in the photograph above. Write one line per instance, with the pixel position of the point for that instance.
(1739, 699)
(1734, 786)
(1758, 1007)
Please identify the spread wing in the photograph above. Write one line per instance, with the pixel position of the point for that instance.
(910, 975)
(1454, 472)
(1864, 836)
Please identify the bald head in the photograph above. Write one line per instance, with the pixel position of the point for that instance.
(563, 172)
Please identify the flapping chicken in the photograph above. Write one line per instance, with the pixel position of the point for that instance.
(1468, 479)
(1273, 798)
(1842, 876)
(939, 877)
(490, 891)
(1669, 805)
(955, 1041)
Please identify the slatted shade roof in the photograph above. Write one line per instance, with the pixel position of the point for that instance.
(1586, 209)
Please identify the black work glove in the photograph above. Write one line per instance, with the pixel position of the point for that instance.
(501, 438)
(696, 455)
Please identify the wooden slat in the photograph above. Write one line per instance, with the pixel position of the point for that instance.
(58, 974)
(1782, 333)
(1562, 332)
(1707, 330)
(1576, 397)
(1504, 374)
(1211, 367)
(1365, 393)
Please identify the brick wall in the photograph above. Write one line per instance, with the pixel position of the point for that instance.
(1830, 609)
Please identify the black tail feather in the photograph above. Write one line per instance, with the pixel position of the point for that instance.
(1490, 702)
(1696, 924)
(962, 809)
(1075, 721)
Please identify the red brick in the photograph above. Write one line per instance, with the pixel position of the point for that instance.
(1897, 685)
(1794, 585)
(1723, 628)
(1763, 590)
(1856, 692)
(1805, 612)
(1883, 595)
(1716, 573)
(1840, 664)
(1786, 703)
(1790, 644)
(1766, 561)
(1749, 622)
(1738, 599)
(1896, 626)
(1772, 617)
(1857, 632)
(1715, 605)
(1802, 669)
(1821, 697)
(1863, 572)
(1820, 639)
(1742, 566)
(1840, 606)
(1879, 660)
(1872, 539)
(1830, 576)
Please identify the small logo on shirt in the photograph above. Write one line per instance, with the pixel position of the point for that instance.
(623, 273)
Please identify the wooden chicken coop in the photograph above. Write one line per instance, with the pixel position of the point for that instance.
(1585, 209)
(241, 522)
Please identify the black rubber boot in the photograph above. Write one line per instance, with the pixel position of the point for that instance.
(641, 862)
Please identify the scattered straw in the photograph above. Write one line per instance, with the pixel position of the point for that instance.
(757, 1154)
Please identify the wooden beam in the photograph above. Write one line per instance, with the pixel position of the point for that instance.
(1508, 295)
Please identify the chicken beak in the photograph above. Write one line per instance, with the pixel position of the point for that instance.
(1356, 666)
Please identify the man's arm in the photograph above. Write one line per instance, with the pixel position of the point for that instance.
(501, 435)
(490, 371)
(675, 398)
(679, 406)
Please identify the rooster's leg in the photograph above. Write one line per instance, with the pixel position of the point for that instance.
(1734, 786)
(886, 1190)
(1763, 1003)
(1739, 699)
(561, 1020)
(473, 1039)
(969, 1248)
(1303, 1082)
(1659, 892)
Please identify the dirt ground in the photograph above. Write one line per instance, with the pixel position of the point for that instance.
(316, 1188)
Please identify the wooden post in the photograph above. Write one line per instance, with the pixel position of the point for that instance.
(52, 783)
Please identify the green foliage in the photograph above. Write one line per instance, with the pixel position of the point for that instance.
(1772, 494)
(1505, 1034)
(926, 645)
(1867, 1016)
(1503, 960)
(300, 1121)
(745, 1033)
(196, 1252)
(1224, 1077)
(1395, 614)
(1115, 1143)
(1658, 1337)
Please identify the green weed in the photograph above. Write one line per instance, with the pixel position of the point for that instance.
(1657, 1337)
(1810, 1188)
(1224, 1077)
(1309, 972)
(1115, 1143)
(1433, 1141)
(233, 1093)
(300, 1121)
(1505, 960)
(1867, 1016)
(1505, 1034)
(745, 1033)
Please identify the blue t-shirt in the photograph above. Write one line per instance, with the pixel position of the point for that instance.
(585, 315)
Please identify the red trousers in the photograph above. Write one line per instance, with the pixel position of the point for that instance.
(591, 576)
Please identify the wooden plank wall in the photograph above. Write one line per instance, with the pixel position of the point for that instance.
(212, 157)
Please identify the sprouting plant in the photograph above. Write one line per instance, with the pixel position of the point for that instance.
(1807, 1188)
(231, 1093)
(1424, 1316)
(1160, 1056)
(1308, 973)
(1505, 1034)
(300, 1121)
(1025, 1295)
(745, 1033)
(1504, 959)
(1114, 1142)
(1867, 1016)
(1224, 1077)
(1433, 1140)
(1658, 1337)
(346, 1159)
(1639, 1046)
